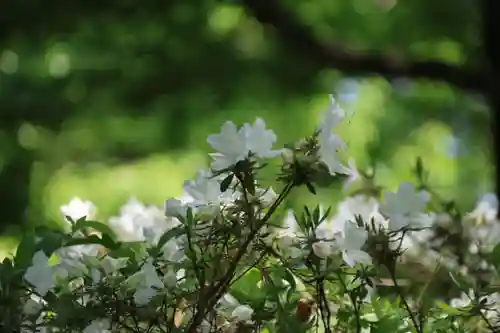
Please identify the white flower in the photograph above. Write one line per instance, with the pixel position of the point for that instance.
(146, 282)
(175, 208)
(206, 194)
(77, 208)
(492, 302)
(40, 275)
(33, 305)
(229, 145)
(350, 243)
(98, 326)
(329, 143)
(172, 251)
(266, 196)
(287, 241)
(233, 309)
(110, 265)
(242, 313)
(137, 222)
(204, 188)
(151, 278)
(464, 299)
(143, 295)
(323, 249)
(259, 140)
(332, 116)
(233, 145)
(202, 195)
(170, 278)
(486, 208)
(328, 153)
(366, 208)
(404, 208)
(352, 173)
(290, 223)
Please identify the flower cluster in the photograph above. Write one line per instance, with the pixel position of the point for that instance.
(220, 258)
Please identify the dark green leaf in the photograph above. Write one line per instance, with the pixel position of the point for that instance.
(168, 235)
(326, 214)
(25, 250)
(249, 183)
(105, 241)
(224, 185)
(246, 288)
(311, 188)
(316, 216)
(50, 242)
(104, 229)
(419, 168)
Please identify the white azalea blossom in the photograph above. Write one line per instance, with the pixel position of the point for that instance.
(242, 313)
(352, 240)
(486, 208)
(259, 140)
(138, 222)
(172, 251)
(405, 208)
(323, 249)
(146, 283)
(329, 143)
(491, 303)
(233, 145)
(233, 309)
(287, 243)
(205, 193)
(110, 265)
(352, 173)
(176, 208)
(40, 275)
(230, 146)
(266, 196)
(34, 305)
(144, 294)
(77, 208)
(366, 208)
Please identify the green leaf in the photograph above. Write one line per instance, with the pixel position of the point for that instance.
(168, 235)
(104, 229)
(448, 309)
(224, 185)
(105, 241)
(284, 273)
(189, 217)
(249, 183)
(126, 250)
(326, 214)
(25, 250)
(311, 188)
(246, 289)
(419, 168)
(316, 215)
(50, 242)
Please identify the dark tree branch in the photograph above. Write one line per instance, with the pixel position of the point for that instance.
(326, 55)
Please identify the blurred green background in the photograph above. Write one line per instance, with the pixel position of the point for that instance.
(110, 99)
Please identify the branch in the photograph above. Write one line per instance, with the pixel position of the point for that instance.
(301, 39)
